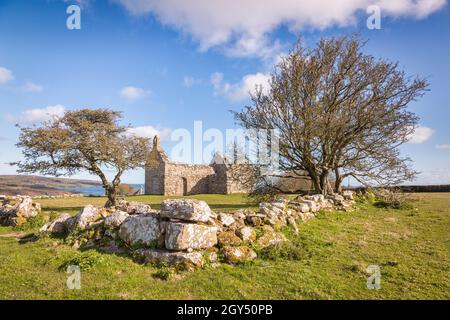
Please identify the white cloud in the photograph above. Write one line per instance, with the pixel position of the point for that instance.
(134, 93)
(5, 75)
(150, 132)
(242, 89)
(444, 146)
(32, 87)
(434, 176)
(34, 116)
(245, 27)
(420, 135)
(190, 81)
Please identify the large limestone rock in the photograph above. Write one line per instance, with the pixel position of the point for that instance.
(16, 210)
(169, 257)
(226, 219)
(58, 225)
(134, 207)
(183, 236)
(27, 208)
(313, 205)
(114, 220)
(142, 229)
(235, 255)
(270, 237)
(187, 210)
(348, 195)
(247, 234)
(228, 238)
(84, 219)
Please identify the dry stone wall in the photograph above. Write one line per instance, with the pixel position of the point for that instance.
(187, 231)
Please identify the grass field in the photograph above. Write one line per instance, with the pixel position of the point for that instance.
(412, 248)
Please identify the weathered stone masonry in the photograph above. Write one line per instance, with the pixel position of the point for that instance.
(165, 177)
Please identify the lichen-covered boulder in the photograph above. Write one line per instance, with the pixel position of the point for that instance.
(169, 257)
(115, 219)
(15, 211)
(134, 207)
(313, 206)
(269, 237)
(142, 229)
(27, 208)
(84, 219)
(228, 238)
(235, 255)
(57, 226)
(226, 219)
(348, 195)
(187, 210)
(255, 219)
(247, 234)
(183, 236)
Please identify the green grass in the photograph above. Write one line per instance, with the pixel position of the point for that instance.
(218, 202)
(412, 248)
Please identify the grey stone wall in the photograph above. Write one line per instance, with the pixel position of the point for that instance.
(187, 179)
(164, 177)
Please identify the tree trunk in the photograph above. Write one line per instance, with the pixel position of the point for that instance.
(324, 183)
(338, 182)
(316, 182)
(111, 194)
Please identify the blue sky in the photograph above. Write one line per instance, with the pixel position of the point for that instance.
(168, 63)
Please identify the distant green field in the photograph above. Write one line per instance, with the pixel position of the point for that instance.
(412, 248)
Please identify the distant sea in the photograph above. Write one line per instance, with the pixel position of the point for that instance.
(96, 191)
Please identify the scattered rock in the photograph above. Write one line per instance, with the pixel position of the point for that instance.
(27, 208)
(15, 211)
(142, 229)
(170, 258)
(134, 207)
(255, 219)
(114, 220)
(84, 219)
(270, 238)
(235, 255)
(247, 234)
(57, 226)
(181, 236)
(348, 194)
(226, 219)
(187, 210)
(228, 238)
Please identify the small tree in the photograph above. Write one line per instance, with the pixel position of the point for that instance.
(83, 140)
(339, 113)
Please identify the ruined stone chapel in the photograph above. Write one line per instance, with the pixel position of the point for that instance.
(169, 178)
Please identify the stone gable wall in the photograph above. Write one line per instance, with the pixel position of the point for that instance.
(187, 179)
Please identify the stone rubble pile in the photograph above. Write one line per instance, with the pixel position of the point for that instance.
(187, 231)
(15, 211)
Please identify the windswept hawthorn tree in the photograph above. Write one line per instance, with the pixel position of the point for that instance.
(339, 112)
(89, 140)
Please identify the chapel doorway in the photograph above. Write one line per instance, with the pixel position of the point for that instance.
(185, 188)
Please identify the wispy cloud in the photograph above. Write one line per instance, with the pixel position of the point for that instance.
(37, 115)
(32, 87)
(134, 93)
(420, 135)
(6, 75)
(242, 89)
(190, 81)
(150, 132)
(444, 146)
